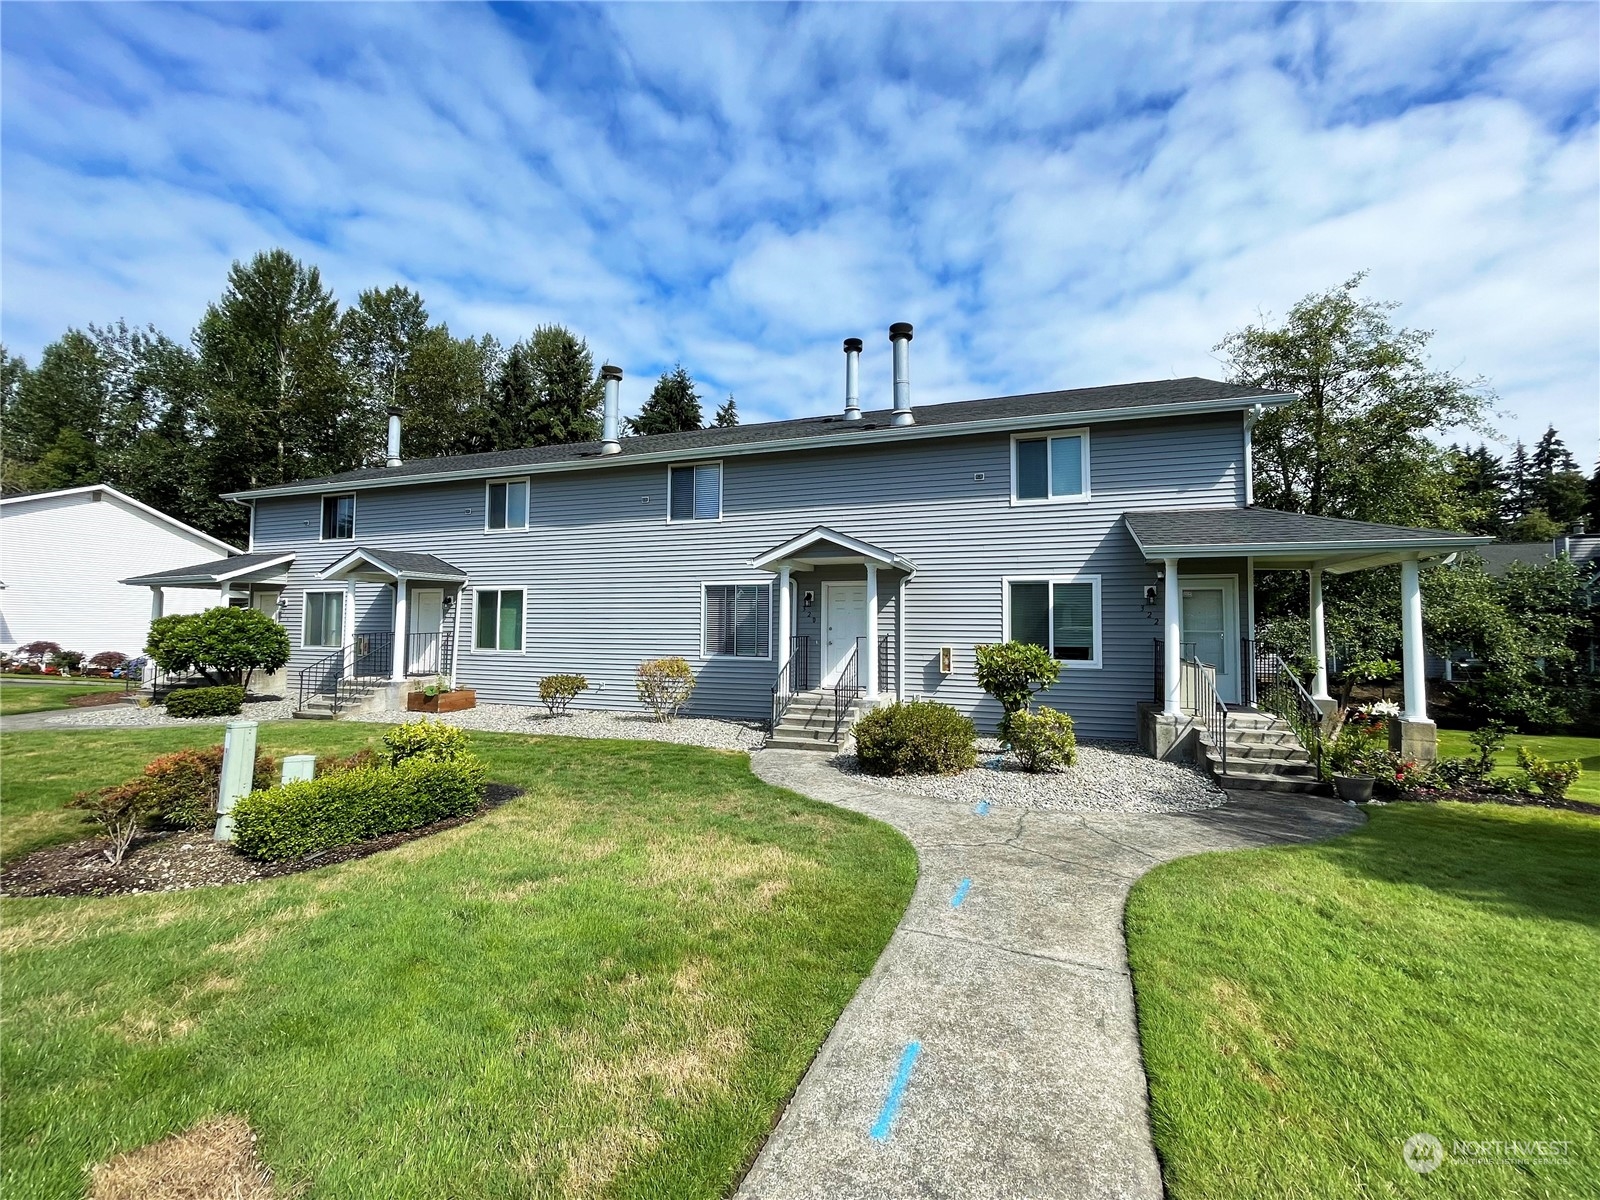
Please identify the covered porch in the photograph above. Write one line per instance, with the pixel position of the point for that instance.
(1183, 543)
(423, 621)
(241, 580)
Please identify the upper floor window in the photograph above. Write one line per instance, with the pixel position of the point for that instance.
(695, 493)
(338, 517)
(1062, 615)
(507, 505)
(1051, 466)
(738, 620)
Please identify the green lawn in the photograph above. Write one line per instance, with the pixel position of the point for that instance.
(609, 986)
(1303, 1011)
(1453, 743)
(18, 697)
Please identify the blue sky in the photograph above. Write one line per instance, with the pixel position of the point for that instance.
(1054, 196)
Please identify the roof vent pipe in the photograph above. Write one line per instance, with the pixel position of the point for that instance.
(900, 336)
(852, 379)
(613, 377)
(394, 436)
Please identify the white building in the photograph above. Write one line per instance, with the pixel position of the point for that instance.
(62, 555)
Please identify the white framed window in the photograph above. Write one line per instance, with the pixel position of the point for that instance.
(323, 624)
(694, 493)
(505, 504)
(736, 620)
(339, 517)
(498, 615)
(1049, 467)
(1060, 613)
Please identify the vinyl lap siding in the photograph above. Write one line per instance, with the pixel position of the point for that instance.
(609, 582)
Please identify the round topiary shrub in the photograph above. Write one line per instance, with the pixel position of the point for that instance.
(919, 737)
(1042, 740)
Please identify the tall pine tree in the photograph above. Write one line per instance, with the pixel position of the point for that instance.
(728, 414)
(673, 407)
(568, 392)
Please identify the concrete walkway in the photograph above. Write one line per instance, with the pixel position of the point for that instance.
(993, 1051)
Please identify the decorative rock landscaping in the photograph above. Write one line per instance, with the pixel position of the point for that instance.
(587, 723)
(1108, 777)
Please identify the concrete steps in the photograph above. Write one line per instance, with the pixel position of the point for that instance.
(355, 698)
(1263, 754)
(808, 724)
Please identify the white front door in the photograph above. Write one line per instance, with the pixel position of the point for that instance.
(1211, 629)
(844, 619)
(424, 617)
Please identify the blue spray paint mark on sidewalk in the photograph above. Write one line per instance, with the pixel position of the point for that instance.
(897, 1089)
(961, 893)
(981, 808)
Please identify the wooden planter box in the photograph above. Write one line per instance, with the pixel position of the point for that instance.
(444, 702)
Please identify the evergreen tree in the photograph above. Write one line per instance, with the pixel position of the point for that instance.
(52, 424)
(568, 392)
(728, 414)
(1559, 487)
(673, 407)
(1519, 483)
(513, 402)
(1481, 477)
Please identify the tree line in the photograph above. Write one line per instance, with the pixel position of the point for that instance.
(278, 382)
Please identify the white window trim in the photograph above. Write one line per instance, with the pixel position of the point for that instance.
(705, 586)
(478, 590)
(1076, 664)
(322, 504)
(1034, 435)
(305, 605)
(527, 505)
(722, 478)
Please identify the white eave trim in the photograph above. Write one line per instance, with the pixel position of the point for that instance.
(844, 438)
(374, 560)
(159, 580)
(796, 547)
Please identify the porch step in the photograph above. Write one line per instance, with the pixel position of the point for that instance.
(808, 723)
(817, 744)
(1263, 754)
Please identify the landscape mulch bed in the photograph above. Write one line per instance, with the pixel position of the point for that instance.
(97, 699)
(177, 862)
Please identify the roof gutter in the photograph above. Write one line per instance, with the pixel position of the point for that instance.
(853, 437)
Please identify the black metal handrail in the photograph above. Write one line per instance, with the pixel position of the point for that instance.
(1200, 682)
(846, 686)
(320, 678)
(429, 653)
(887, 662)
(793, 677)
(1279, 691)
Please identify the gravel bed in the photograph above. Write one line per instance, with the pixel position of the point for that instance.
(589, 723)
(263, 708)
(1108, 777)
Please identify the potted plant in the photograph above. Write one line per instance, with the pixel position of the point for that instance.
(439, 697)
(1360, 738)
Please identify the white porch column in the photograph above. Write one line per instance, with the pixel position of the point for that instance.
(1411, 652)
(158, 601)
(869, 669)
(349, 638)
(1319, 639)
(1172, 648)
(226, 594)
(785, 621)
(402, 637)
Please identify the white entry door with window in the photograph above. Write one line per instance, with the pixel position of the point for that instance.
(424, 616)
(844, 619)
(1211, 629)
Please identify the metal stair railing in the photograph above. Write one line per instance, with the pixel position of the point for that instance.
(320, 679)
(1200, 688)
(847, 687)
(1279, 691)
(794, 677)
(373, 659)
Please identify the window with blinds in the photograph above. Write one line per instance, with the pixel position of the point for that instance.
(1053, 467)
(737, 620)
(695, 493)
(1060, 615)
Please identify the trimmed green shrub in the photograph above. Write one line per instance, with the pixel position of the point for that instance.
(226, 643)
(364, 759)
(293, 820)
(206, 702)
(1012, 672)
(1043, 740)
(1551, 778)
(431, 740)
(664, 685)
(182, 787)
(558, 691)
(918, 737)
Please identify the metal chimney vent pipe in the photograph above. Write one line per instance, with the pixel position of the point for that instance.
(852, 379)
(394, 436)
(609, 440)
(900, 337)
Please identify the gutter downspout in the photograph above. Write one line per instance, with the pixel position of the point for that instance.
(1251, 415)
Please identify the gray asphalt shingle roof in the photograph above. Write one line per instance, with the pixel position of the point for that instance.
(410, 563)
(1196, 527)
(212, 570)
(1153, 395)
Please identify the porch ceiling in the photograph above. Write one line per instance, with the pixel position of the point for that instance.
(1287, 541)
(821, 547)
(386, 566)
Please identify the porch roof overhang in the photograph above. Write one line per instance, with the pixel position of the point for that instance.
(822, 547)
(237, 568)
(388, 566)
(1288, 541)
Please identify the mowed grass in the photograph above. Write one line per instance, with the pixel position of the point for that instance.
(1303, 1011)
(17, 698)
(1453, 743)
(607, 987)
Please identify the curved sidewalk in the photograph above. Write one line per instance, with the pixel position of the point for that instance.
(993, 1050)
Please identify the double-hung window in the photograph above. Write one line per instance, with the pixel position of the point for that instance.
(738, 620)
(695, 493)
(323, 626)
(1062, 615)
(338, 517)
(1050, 466)
(499, 619)
(506, 506)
